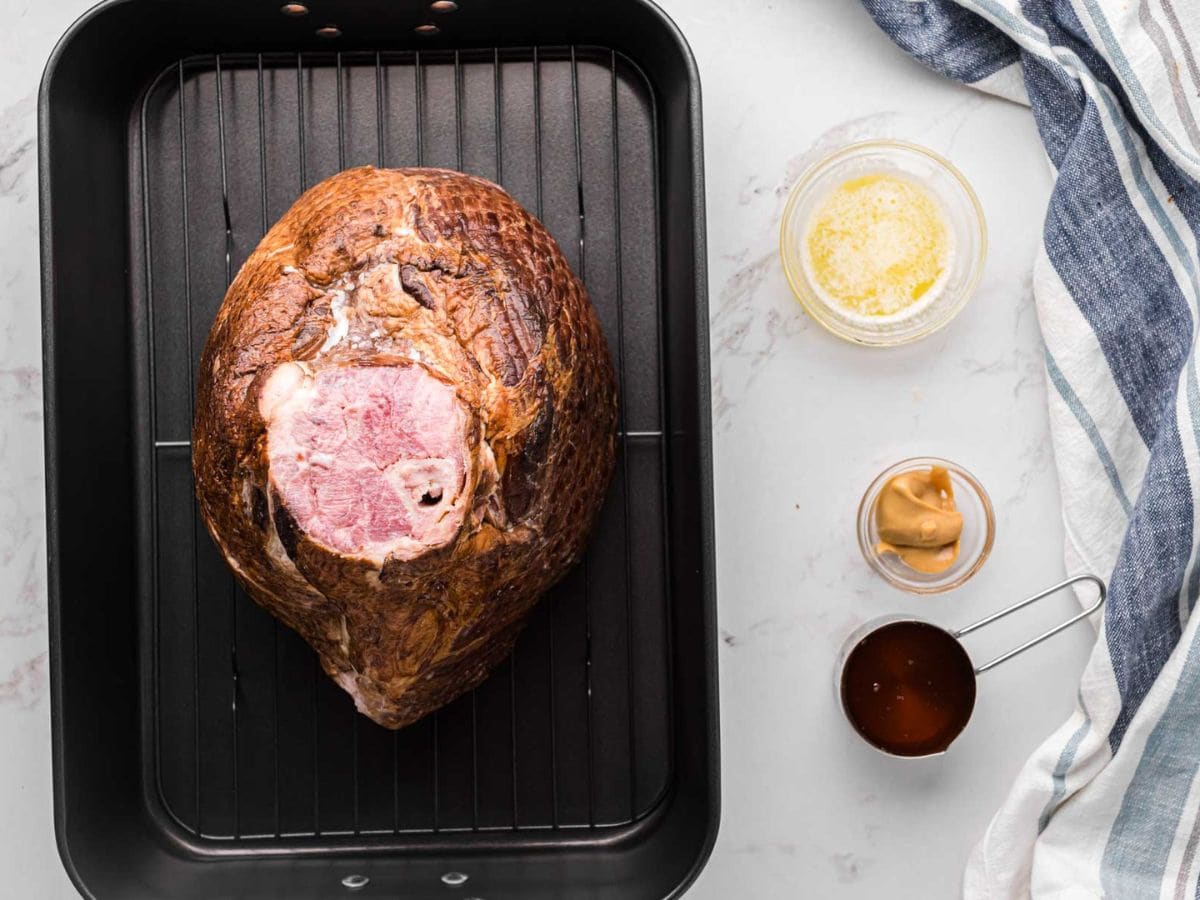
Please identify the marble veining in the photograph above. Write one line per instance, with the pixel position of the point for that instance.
(849, 866)
(25, 613)
(10, 165)
(31, 867)
(25, 685)
(22, 554)
(743, 331)
(746, 330)
(17, 163)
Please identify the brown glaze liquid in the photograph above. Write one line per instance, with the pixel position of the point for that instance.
(909, 688)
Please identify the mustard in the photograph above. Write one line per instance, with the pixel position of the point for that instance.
(917, 520)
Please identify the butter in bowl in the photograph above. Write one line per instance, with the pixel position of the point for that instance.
(883, 242)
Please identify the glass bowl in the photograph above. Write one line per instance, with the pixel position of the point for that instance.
(959, 207)
(975, 546)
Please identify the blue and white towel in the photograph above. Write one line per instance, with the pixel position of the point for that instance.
(1109, 806)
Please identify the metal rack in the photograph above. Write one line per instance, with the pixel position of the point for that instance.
(252, 743)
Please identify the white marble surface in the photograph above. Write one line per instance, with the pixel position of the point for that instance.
(802, 423)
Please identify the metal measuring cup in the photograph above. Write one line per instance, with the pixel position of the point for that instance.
(917, 707)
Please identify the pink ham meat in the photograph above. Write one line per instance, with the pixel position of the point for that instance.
(370, 460)
(405, 427)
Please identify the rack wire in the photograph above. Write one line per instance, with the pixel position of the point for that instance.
(226, 143)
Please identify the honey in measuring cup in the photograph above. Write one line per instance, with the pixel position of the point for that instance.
(908, 688)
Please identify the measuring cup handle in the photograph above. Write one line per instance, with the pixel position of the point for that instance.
(1003, 657)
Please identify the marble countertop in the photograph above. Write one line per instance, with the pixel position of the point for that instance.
(803, 422)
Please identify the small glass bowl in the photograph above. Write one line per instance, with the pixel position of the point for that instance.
(979, 530)
(963, 215)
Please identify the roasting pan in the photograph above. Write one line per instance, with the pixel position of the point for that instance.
(198, 752)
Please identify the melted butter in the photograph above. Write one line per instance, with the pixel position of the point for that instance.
(878, 244)
(917, 520)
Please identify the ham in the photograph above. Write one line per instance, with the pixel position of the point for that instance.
(405, 427)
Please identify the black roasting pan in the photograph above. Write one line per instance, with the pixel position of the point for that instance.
(198, 753)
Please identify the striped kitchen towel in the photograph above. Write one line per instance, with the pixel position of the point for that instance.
(1109, 806)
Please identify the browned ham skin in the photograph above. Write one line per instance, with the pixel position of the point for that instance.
(405, 427)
